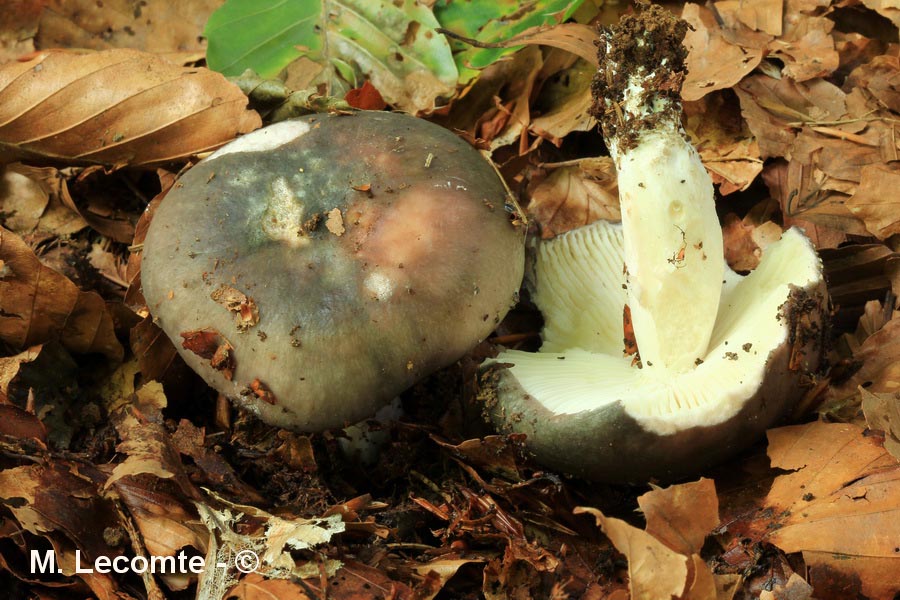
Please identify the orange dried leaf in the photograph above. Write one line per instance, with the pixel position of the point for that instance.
(39, 304)
(262, 391)
(844, 486)
(681, 516)
(876, 201)
(366, 97)
(664, 560)
(115, 108)
(574, 196)
(246, 313)
(210, 344)
(159, 27)
(713, 62)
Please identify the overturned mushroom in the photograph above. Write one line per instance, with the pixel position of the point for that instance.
(719, 357)
(314, 269)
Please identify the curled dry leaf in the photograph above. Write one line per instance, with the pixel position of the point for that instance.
(154, 26)
(664, 559)
(575, 195)
(246, 313)
(745, 241)
(843, 487)
(876, 201)
(212, 345)
(713, 62)
(729, 151)
(58, 500)
(115, 108)
(37, 200)
(38, 304)
(18, 25)
(879, 370)
(883, 414)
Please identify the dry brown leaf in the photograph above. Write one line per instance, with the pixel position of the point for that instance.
(771, 106)
(761, 15)
(728, 149)
(796, 588)
(567, 108)
(38, 304)
(844, 486)
(713, 63)
(18, 26)
(886, 8)
(879, 357)
(59, 500)
(574, 196)
(805, 46)
(681, 516)
(38, 200)
(807, 203)
(580, 40)
(518, 115)
(157, 26)
(115, 108)
(883, 414)
(745, 241)
(663, 559)
(876, 201)
(145, 442)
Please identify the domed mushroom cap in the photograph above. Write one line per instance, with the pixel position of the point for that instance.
(314, 269)
(589, 410)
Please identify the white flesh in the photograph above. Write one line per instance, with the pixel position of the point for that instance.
(581, 365)
(673, 249)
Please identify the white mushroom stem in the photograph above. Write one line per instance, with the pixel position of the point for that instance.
(673, 240)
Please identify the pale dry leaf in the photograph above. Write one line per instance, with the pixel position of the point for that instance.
(37, 304)
(796, 588)
(729, 151)
(37, 200)
(889, 9)
(882, 412)
(745, 241)
(574, 196)
(654, 570)
(18, 26)
(761, 15)
(713, 63)
(876, 201)
(805, 45)
(567, 104)
(444, 568)
(681, 516)
(157, 26)
(115, 108)
(580, 40)
(843, 486)
(664, 560)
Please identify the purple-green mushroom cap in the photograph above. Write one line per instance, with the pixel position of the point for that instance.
(314, 269)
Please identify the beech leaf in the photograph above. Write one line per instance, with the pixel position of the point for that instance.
(37, 304)
(843, 488)
(115, 108)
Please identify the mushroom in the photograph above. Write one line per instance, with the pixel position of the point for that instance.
(719, 357)
(315, 268)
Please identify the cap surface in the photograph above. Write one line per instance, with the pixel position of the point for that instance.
(314, 269)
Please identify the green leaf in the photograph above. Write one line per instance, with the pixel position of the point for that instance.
(492, 21)
(393, 43)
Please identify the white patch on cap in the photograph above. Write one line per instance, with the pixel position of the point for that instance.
(264, 139)
(283, 217)
(380, 286)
